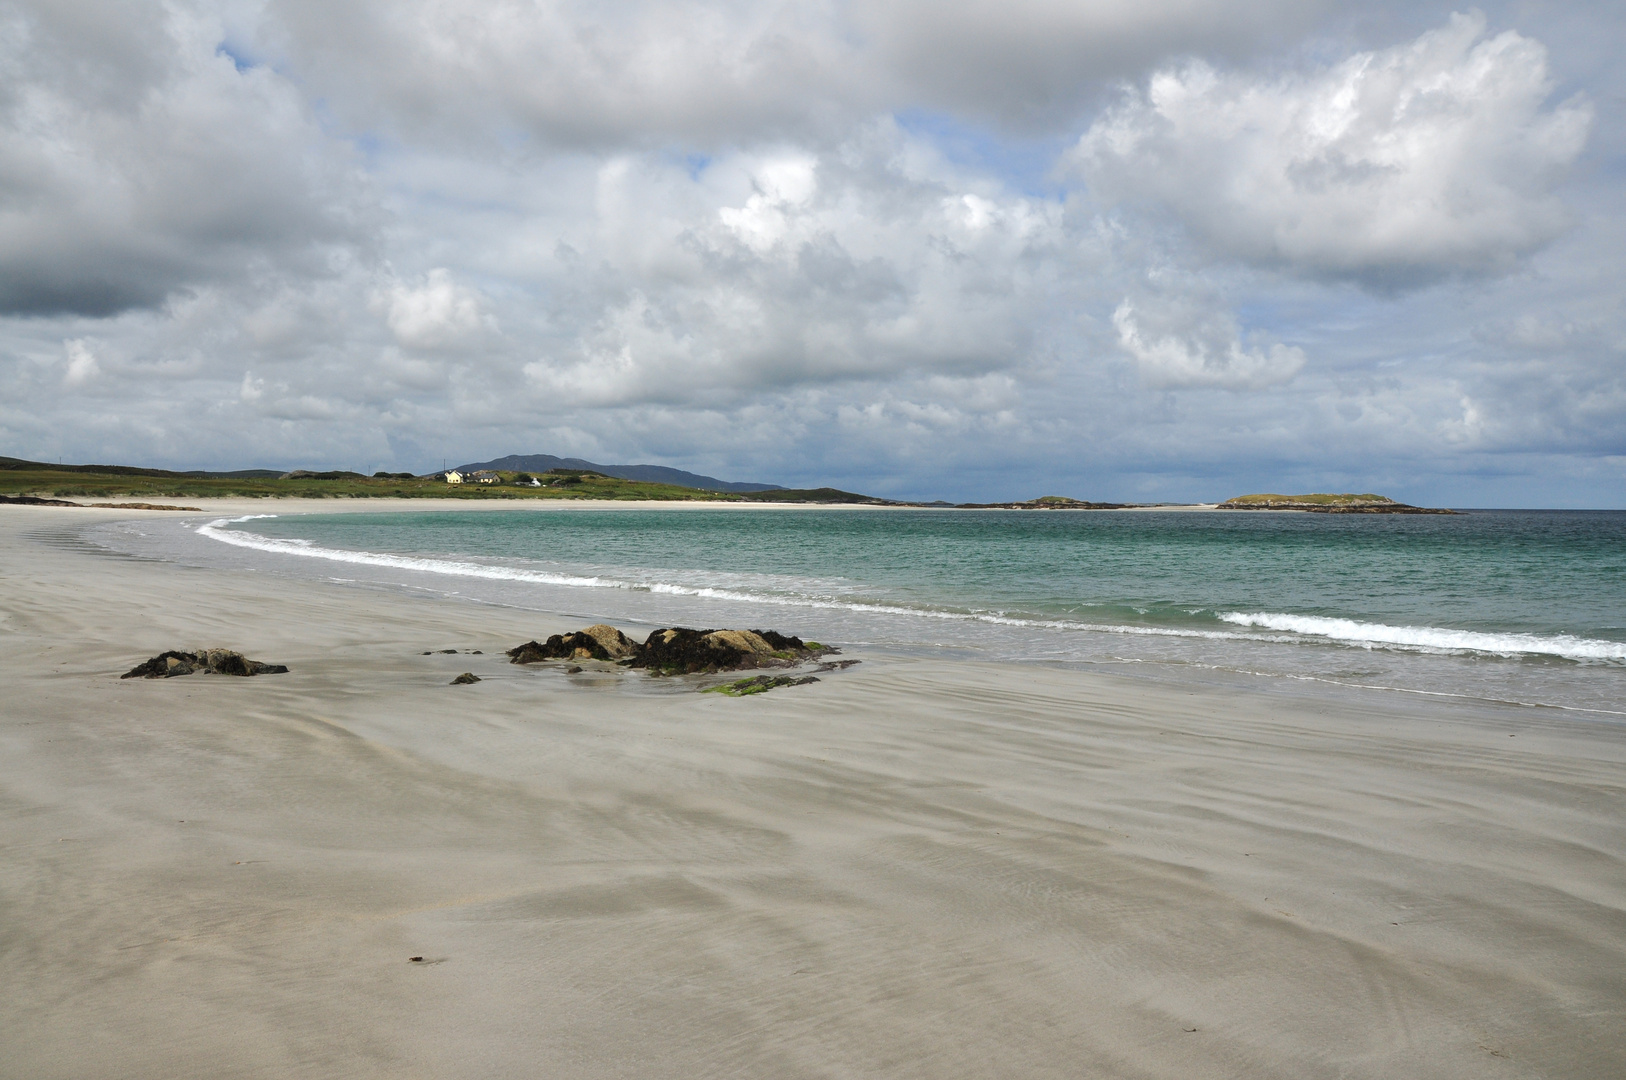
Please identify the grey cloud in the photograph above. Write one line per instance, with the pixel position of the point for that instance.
(570, 71)
(574, 73)
(1033, 62)
(131, 166)
(1186, 348)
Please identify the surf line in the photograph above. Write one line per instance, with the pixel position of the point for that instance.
(1282, 629)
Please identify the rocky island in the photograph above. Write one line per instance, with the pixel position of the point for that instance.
(1328, 504)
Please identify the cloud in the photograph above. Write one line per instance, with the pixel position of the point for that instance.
(779, 268)
(621, 73)
(82, 365)
(828, 241)
(436, 313)
(782, 186)
(1031, 63)
(1203, 352)
(1392, 167)
(136, 160)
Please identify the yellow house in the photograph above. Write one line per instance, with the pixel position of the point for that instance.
(453, 476)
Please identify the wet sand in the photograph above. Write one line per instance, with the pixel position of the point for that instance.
(910, 869)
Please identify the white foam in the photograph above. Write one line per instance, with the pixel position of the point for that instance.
(1432, 638)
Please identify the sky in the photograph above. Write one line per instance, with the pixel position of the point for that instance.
(1149, 250)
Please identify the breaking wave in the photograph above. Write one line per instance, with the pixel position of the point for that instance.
(1431, 638)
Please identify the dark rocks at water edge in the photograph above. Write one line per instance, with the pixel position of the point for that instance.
(465, 679)
(674, 650)
(167, 665)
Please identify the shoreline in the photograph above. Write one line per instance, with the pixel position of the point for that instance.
(235, 504)
(596, 598)
(913, 868)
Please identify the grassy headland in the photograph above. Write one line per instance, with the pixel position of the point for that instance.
(19, 477)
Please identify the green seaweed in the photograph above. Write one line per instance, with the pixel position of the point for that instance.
(761, 684)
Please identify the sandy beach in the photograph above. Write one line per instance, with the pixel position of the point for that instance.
(914, 868)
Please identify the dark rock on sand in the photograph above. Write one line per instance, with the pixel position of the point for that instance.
(598, 642)
(681, 651)
(677, 650)
(465, 679)
(167, 665)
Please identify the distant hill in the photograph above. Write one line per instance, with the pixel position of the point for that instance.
(650, 474)
(18, 464)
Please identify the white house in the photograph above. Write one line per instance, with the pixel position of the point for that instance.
(453, 476)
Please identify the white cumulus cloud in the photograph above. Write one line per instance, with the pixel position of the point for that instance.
(1207, 353)
(82, 365)
(436, 313)
(1432, 157)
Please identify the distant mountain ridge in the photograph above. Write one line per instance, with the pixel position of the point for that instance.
(652, 474)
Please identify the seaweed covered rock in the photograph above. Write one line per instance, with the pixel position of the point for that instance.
(681, 651)
(167, 665)
(760, 685)
(598, 642)
(468, 678)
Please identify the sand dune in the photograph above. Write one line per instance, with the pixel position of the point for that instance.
(910, 869)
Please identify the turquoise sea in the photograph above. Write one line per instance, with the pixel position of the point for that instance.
(1513, 606)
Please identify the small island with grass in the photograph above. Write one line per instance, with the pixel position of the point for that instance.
(1321, 503)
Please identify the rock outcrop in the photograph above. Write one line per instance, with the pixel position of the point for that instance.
(598, 642)
(681, 651)
(167, 665)
(465, 679)
(674, 650)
